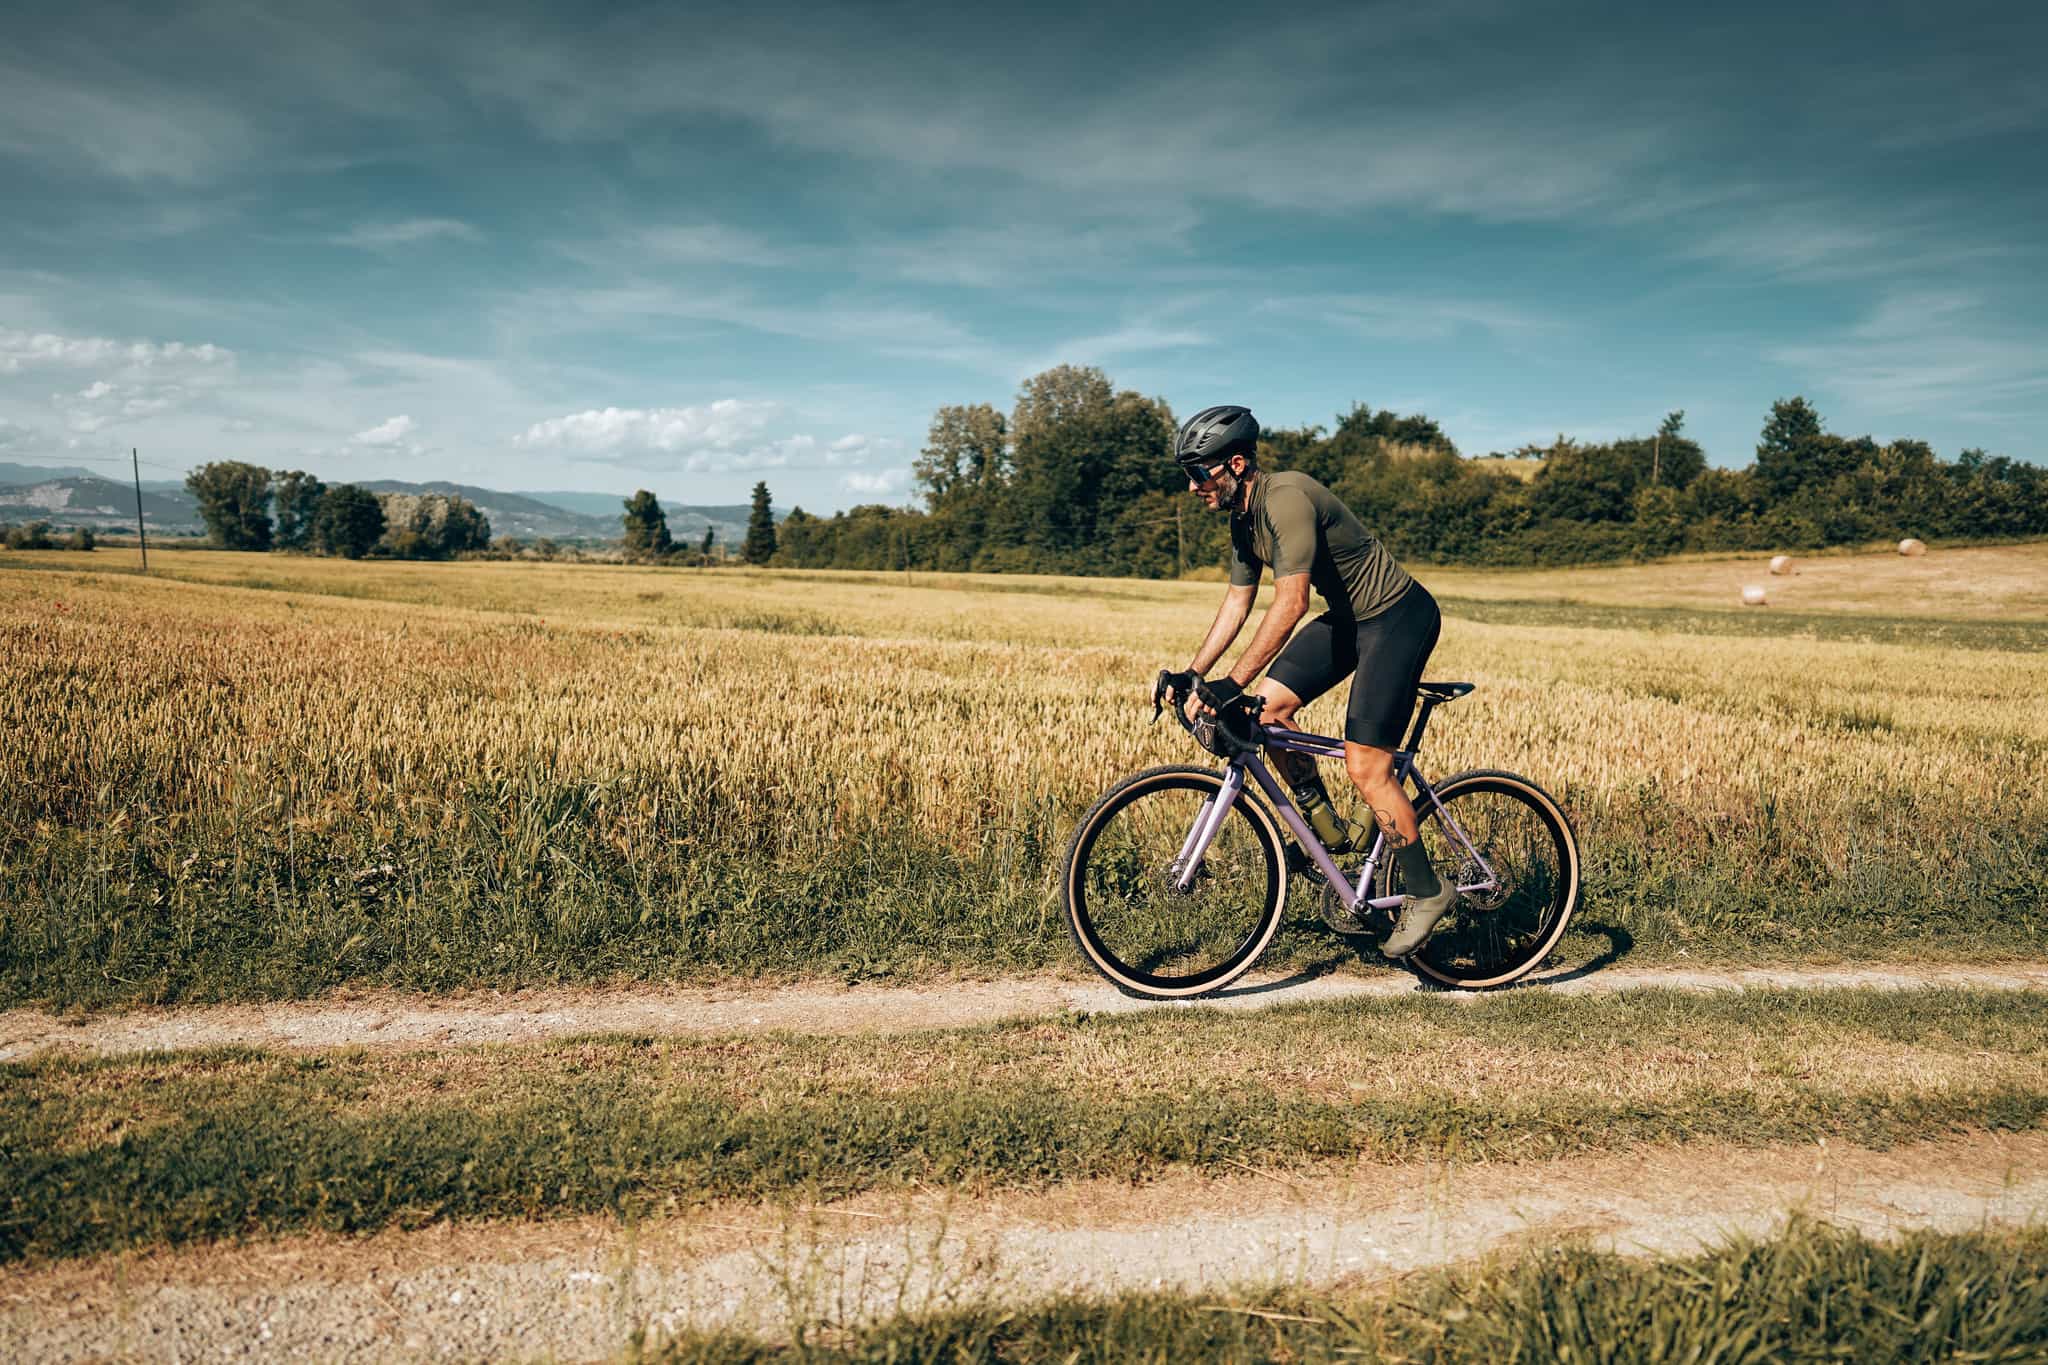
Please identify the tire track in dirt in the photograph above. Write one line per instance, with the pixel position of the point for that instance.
(579, 1289)
(389, 1019)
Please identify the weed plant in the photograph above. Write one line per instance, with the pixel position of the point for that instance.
(1812, 1293)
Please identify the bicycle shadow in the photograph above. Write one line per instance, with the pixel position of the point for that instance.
(1300, 976)
(1620, 943)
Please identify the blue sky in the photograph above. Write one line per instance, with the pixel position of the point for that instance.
(691, 246)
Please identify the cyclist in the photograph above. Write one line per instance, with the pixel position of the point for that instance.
(1380, 627)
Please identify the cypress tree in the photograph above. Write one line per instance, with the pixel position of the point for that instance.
(759, 547)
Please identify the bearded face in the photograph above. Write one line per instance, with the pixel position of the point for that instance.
(1220, 490)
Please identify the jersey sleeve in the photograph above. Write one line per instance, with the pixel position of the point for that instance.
(1293, 518)
(1244, 564)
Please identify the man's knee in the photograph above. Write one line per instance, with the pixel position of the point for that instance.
(1281, 703)
(1367, 766)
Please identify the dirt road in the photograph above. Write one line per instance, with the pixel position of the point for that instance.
(394, 1020)
(577, 1290)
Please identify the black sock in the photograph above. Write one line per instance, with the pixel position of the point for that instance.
(1418, 878)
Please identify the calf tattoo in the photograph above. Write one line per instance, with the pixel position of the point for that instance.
(1391, 831)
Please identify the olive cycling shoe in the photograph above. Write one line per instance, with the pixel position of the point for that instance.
(1419, 915)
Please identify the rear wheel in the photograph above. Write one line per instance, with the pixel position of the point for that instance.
(1520, 859)
(1124, 908)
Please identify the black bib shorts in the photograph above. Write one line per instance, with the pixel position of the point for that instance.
(1386, 654)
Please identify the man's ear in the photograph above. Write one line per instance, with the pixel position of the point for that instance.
(1239, 464)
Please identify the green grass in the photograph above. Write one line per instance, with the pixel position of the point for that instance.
(169, 1149)
(1812, 1293)
(531, 892)
(1866, 628)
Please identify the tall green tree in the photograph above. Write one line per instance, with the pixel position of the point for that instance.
(759, 546)
(646, 526)
(962, 471)
(1083, 455)
(234, 502)
(348, 521)
(1792, 451)
(296, 499)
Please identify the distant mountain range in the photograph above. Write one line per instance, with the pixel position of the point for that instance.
(66, 495)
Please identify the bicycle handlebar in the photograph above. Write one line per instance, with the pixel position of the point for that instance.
(1212, 731)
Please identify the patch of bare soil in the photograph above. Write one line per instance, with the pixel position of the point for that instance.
(581, 1289)
(394, 1020)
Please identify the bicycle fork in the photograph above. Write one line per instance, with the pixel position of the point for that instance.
(1209, 819)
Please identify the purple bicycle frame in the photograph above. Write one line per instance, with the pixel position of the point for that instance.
(1214, 811)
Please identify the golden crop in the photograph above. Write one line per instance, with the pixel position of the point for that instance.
(503, 725)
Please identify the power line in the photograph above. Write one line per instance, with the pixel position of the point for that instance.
(107, 459)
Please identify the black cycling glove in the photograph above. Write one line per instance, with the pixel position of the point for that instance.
(1221, 692)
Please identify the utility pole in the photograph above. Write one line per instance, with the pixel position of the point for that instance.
(141, 536)
(1179, 552)
(1656, 447)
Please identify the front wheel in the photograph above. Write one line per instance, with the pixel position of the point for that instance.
(1511, 846)
(1121, 880)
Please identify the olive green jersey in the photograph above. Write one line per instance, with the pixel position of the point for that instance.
(1295, 525)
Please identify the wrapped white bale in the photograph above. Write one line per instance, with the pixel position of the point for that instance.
(1781, 563)
(1912, 548)
(1753, 595)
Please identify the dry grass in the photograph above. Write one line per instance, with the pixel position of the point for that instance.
(1995, 582)
(435, 773)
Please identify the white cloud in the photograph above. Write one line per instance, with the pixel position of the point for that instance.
(48, 350)
(725, 425)
(716, 244)
(407, 232)
(1925, 351)
(1105, 346)
(877, 483)
(386, 435)
(1410, 318)
(790, 450)
(102, 404)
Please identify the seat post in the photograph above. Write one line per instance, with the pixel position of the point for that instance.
(1414, 740)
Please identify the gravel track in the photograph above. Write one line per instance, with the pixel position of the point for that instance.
(577, 1290)
(410, 1021)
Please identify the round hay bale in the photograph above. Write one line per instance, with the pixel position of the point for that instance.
(1781, 563)
(1754, 595)
(1911, 548)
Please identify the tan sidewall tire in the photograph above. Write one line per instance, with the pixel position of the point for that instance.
(1523, 786)
(1133, 788)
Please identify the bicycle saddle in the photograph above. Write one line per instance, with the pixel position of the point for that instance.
(1443, 691)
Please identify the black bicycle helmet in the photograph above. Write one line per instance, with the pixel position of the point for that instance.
(1212, 436)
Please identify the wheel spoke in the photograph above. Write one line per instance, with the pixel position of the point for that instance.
(1498, 933)
(1128, 910)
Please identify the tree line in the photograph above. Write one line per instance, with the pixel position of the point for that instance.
(248, 507)
(647, 536)
(1078, 478)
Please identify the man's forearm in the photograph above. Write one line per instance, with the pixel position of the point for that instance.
(1289, 606)
(1230, 619)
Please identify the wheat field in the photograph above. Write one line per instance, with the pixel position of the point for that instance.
(249, 776)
